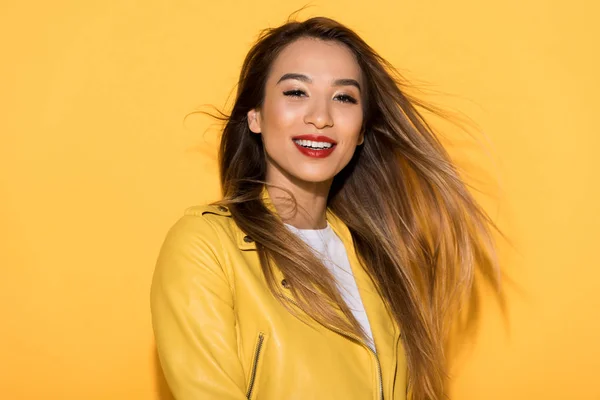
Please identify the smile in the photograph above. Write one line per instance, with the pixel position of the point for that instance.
(309, 144)
(315, 146)
(314, 149)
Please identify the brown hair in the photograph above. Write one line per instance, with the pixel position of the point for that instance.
(418, 231)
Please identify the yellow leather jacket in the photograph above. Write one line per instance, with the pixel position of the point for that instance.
(221, 334)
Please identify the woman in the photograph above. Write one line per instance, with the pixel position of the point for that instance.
(343, 240)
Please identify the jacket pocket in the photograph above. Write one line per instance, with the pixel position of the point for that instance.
(258, 350)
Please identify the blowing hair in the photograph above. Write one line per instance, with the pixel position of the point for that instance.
(417, 230)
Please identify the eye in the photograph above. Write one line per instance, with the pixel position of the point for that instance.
(294, 93)
(344, 98)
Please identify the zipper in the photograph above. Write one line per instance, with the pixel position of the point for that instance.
(377, 363)
(261, 339)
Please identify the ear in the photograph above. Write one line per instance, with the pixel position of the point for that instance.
(361, 138)
(254, 121)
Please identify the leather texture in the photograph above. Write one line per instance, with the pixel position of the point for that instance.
(221, 333)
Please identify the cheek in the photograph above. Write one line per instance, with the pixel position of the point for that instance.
(349, 124)
(279, 116)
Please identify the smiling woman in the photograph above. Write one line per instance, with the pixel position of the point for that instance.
(343, 241)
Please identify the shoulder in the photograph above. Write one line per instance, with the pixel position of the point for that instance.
(205, 223)
(211, 217)
(207, 209)
(202, 236)
(211, 224)
(194, 252)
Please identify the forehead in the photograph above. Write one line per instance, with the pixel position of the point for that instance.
(318, 59)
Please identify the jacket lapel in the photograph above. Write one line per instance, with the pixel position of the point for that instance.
(385, 331)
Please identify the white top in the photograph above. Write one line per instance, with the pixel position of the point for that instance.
(330, 248)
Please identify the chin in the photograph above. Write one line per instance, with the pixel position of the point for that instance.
(314, 178)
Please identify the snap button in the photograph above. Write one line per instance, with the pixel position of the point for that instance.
(222, 208)
(285, 284)
(248, 239)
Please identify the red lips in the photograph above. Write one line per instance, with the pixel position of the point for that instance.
(315, 153)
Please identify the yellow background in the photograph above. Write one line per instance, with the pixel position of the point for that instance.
(96, 163)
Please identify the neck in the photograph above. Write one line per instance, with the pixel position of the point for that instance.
(311, 202)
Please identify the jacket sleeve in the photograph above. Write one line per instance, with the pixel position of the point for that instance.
(193, 317)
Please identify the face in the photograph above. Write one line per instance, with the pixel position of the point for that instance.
(312, 113)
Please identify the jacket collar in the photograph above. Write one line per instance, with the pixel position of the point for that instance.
(245, 242)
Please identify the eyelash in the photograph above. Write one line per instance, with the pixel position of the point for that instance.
(298, 93)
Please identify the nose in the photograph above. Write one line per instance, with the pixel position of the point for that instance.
(319, 114)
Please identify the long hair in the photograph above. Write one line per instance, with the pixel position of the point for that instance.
(416, 228)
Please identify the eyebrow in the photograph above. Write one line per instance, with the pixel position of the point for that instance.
(304, 78)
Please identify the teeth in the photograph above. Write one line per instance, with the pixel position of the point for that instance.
(314, 145)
